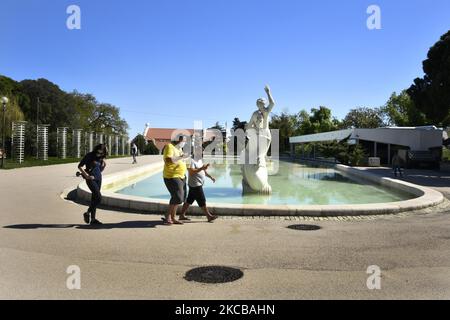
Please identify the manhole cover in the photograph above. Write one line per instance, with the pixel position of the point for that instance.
(214, 274)
(304, 227)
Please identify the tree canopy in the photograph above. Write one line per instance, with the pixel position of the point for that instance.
(59, 108)
(363, 118)
(431, 94)
(401, 111)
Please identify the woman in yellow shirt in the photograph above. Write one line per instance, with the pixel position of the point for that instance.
(175, 177)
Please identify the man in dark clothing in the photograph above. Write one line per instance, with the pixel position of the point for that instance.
(94, 164)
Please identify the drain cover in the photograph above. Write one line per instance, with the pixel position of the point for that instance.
(214, 274)
(304, 227)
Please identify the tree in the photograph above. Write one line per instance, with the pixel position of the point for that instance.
(287, 125)
(140, 142)
(238, 124)
(85, 105)
(150, 148)
(367, 118)
(217, 126)
(322, 121)
(304, 122)
(9, 88)
(106, 117)
(401, 111)
(58, 109)
(431, 94)
(343, 152)
(55, 106)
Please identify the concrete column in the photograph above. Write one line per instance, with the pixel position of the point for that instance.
(375, 149)
(389, 154)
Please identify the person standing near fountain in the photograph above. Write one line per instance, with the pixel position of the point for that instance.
(175, 177)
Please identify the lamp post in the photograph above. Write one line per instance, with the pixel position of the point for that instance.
(4, 102)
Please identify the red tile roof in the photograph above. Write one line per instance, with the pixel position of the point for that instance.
(162, 136)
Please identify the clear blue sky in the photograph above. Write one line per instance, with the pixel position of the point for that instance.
(169, 62)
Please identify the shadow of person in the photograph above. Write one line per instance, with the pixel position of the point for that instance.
(120, 225)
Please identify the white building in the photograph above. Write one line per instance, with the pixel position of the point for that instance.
(384, 142)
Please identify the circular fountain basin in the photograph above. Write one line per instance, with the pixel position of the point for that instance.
(297, 190)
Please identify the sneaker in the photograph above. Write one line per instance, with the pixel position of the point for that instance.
(86, 217)
(95, 222)
(212, 218)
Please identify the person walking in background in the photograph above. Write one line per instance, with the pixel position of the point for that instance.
(396, 165)
(94, 164)
(134, 152)
(175, 177)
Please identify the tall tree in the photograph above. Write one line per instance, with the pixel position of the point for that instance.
(321, 120)
(431, 94)
(106, 117)
(401, 111)
(305, 125)
(366, 118)
(9, 88)
(218, 126)
(287, 125)
(55, 105)
(238, 124)
(58, 109)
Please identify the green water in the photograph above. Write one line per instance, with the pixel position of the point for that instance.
(293, 184)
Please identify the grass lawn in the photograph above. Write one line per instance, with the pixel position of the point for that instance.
(33, 162)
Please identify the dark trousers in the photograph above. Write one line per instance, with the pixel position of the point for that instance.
(398, 170)
(177, 189)
(96, 197)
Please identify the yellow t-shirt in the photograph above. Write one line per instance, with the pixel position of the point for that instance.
(173, 170)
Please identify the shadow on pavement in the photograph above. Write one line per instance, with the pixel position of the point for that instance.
(120, 225)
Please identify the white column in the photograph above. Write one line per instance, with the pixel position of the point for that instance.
(42, 142)
(61, 134)
(116, 145)
(18, 141)
(76, 137)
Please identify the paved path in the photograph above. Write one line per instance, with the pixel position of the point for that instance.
(134, 257)
(439, 180)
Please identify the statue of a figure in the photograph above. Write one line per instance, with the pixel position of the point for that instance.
(255, 175)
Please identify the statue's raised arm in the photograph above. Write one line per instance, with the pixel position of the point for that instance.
(271, 100)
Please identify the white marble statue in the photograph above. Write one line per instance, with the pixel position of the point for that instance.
(254, 170)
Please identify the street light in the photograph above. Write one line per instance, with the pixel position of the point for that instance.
(4, 103)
